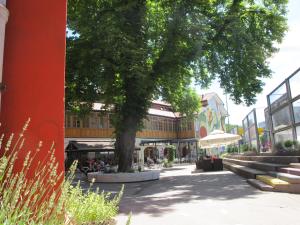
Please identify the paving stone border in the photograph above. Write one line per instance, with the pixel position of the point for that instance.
(124, 177)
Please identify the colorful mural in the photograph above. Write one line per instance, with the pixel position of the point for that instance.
(212, 117)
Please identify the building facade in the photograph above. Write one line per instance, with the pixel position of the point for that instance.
(162, 126)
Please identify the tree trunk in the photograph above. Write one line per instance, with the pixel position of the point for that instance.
(125, 143)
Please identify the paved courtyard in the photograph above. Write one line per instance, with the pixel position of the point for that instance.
(217, 198)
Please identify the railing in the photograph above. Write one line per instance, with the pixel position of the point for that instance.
(109, 133)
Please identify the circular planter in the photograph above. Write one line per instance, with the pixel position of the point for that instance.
(124, 177)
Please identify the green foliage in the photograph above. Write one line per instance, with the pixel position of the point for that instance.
(245, 148)
(229, 127)
(288, 144)
(232, 149)
(127, 53)
(92, 206)
(167, 163)
(46, 197)
(171, 153)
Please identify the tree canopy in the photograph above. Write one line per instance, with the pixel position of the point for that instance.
(126, 53)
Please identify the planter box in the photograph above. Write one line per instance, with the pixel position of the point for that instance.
(207, 165)
(199, 164)
(218, 164)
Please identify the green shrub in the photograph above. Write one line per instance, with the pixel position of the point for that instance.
(91, 207)
(288, 144)
(278, 146)
(46, 197)
(232, 149)
(167, 164)
(171, 153)
(245, 148)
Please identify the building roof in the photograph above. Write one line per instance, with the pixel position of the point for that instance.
(168, 113)
(159, 102)
(158, 112)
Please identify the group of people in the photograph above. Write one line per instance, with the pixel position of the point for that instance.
(96, 165)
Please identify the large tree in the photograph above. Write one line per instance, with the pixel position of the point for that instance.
(125, 53)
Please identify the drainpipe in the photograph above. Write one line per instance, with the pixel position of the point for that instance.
(3, 20)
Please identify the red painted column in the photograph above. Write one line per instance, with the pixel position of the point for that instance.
(33, 72)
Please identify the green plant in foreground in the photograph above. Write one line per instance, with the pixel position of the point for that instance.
(45, 197)
(91, 206)
(25, 200)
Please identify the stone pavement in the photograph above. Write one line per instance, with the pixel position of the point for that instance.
(215, 198)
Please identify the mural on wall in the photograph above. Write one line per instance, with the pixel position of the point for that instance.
(211, 118)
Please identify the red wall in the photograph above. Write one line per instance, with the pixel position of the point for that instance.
(34, 68)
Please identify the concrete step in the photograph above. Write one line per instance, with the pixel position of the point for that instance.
(243, 170)
(278, 184)
(274, 182)
(295, 165)
(266, 157)
(260, 185)
(290, 170)
(255, 165)
(292, 179)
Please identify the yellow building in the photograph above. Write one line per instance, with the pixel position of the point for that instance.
(162, 126)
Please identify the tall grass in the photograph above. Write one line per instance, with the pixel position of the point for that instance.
(45, 197)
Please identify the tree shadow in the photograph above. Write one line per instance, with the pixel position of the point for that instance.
(171, 169)
(157, 197)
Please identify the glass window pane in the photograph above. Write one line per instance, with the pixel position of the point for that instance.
(254, 144)
(294, 84)
(245, 123)
(281, 119)
(246, 135)
(298, 133)
(283, 136)
(251, 118)
(267, 119)
(296, 109)
(278, 97)
(252, 133)
(86, 122)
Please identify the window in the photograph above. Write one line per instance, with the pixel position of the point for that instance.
(245, 123)
(68, 121)
(170, 125)
(160, 124)
(86, 122)
(76, 122)
(294, 85)
(110, 123)
(93, 120)
(252, 133)
(101, 121)
(282, 118)
(254, 143)
(189, 125)
(296, 109)
(246, 135)
(284, 135)
(251, 118)
(278, 97)
(298, 133)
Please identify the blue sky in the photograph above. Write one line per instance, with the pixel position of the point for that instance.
(283, 63)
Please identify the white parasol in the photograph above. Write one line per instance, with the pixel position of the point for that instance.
(218, 138)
